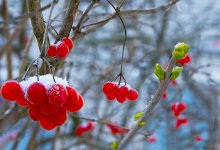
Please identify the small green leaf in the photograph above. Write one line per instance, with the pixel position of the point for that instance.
(180, 50)
(159, 72)
(114, 145)
(138, 115)
(141, 124)
(175, 73)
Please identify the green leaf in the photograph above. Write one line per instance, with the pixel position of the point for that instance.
(114, 145)
(175, 73)
(159, 72)
(180, 50)
(138, 115)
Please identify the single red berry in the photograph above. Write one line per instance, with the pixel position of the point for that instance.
(48, 108)
(111, 96)
(132, 94)
(180, 122)
(68, 42)
(151, 139)
(198, 138)
(62, 50)
(52, 51)
(84, 129)
(121, 98)
(11, 90)
(123, 90)
(36, 93)
(109, 88)
(73, 96)
(46, 123)
(116, 130)
(77, 106)
(57, 95)
(35, 113)
(174, 83)
(23, 102)
(181, 107)
(165, 95)
(59, 117)
(79, 131)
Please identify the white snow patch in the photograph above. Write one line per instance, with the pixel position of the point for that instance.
(178, 44)
(46, 80)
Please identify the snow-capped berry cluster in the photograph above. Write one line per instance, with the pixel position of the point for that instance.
(185, 60)
(121, 92)
(60, 49)
(82, 129)
(177, 108)
(48, 102)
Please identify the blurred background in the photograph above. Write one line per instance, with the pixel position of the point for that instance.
(152, 32)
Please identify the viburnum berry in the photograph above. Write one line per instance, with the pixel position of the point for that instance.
(23, 102)
(109, 88)
(62, 50)
(59, 117)
(116, 130)
(80, 130)
(35, 113)
(198, 138)
(122, 94)
(11, 90)
(68, 42)
(57, 95)
(73, 96)
(151, 139)
(132, 94)
(46, 123)
(48, 108)
(165, 95)
(36, 93)
(180, 122)
(76, 107)
(177, 108)
(174, 83)
(52, 51)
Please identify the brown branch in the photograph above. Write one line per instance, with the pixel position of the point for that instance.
(69, 18)
(37, 20)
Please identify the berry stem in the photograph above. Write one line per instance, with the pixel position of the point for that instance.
(29, 67)
(117, 10)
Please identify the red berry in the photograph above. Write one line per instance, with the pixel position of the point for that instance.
(68, 42)
(122, 94)
(84, 129)
(57, 95)
(109, 88)
(79, 131)
(198, 138)
(77, 106)
(181, 107)
(120, 98)
(174, 83)
(36, 93)
(111, 96)
(11, 91)
(48, 108)
(62, 50)
(151, 139)
(52, 51)
(73, 96)
(184, 60)
(132, 94)
(178, 108)
(180, 122)
(23, 102)
(46, 123)
(116, 130)
(165, 95)
(35, 113)
(59, 117)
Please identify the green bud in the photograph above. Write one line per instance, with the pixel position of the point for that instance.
(175, 73)
(180, 50)
(159, 72)
(114, 145)
(138, 115)
(141, 124)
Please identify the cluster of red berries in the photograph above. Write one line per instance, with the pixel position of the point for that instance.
(82, 129)
(184, 60)
(116, 130)
(177, 108)
(60, 49)
(121, 92)
(48, 102)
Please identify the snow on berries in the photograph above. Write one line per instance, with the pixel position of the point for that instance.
(121, 92)
(47, 101)
(60, 49)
